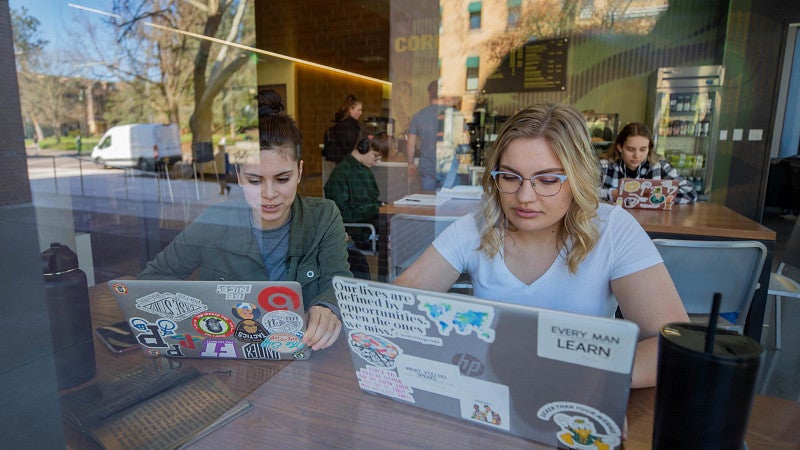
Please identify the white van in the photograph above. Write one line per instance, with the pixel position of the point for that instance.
(142, 145)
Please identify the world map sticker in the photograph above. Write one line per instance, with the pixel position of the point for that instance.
(463, 318)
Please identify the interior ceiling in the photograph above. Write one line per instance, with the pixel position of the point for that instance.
(347, 34)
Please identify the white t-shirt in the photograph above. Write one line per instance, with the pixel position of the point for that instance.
(622, 249)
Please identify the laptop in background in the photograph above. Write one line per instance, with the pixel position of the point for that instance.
(558, 378)
(215, 319)
(647, 194)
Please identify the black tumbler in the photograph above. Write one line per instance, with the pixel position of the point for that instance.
(70, 317)
(703, 399)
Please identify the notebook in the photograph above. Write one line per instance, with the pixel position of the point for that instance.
(215, 319)
(554, 377)
(647, 194)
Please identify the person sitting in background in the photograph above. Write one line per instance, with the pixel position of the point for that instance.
(272, 234)
(542, 238)
(632, 156)
(352, 186)
(341, 137)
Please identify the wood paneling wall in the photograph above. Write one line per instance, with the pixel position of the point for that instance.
(347, 34)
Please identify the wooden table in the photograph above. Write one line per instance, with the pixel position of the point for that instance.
(317, 403)
(696, 221)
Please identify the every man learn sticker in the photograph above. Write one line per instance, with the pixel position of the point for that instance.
(587, 341)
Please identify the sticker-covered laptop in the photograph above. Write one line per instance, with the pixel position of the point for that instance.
(215, 319)
(647, 194)
(558, 378)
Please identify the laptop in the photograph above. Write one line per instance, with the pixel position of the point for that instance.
(554, 377)
(647, 194)
(215, 319)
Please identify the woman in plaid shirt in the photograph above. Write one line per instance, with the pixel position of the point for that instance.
(632, 156)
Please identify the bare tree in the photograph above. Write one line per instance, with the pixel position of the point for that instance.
(181, 31)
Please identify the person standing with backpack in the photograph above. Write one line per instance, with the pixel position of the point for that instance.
(340, 139)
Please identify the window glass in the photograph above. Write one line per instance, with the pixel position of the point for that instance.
(180, 84)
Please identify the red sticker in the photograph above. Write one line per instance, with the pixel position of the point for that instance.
(120, 288)
(275, 298)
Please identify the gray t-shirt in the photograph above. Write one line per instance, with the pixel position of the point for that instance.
(426, 124)
(274, 245)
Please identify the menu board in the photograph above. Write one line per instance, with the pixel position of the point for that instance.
(536, 66)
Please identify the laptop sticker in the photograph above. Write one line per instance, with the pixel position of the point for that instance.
(175, 306)
(282, 322)
(278, 297)
(384, 382)
(376, 350)
(213, 325)
(246, 310)
(428, 375)
(218, 348)
(234, 291)
(581, 427)
(464, 318)
(365, 308)
(583, 341)
(249, 330)
(485, 402)
(284, 342)
(187, 341)
(256, 351)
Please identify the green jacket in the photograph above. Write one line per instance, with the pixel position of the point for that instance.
(220, 243)
(352, 187)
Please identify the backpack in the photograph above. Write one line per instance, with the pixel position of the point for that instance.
(329, 146)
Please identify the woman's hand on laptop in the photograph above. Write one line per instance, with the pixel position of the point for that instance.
(323, 328)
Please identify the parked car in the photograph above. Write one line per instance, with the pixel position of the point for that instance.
(146, 146)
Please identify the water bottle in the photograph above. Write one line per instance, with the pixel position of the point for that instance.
(67, 296)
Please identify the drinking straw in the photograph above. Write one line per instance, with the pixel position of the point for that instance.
(711, 332)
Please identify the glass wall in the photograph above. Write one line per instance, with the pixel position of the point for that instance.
(134, 114)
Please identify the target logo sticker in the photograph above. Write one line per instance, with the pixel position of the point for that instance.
(276, 298)
(213, 325)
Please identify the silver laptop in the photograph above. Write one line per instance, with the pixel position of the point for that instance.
(215, 319)
(558, 378)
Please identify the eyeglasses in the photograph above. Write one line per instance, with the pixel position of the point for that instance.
(546, 184)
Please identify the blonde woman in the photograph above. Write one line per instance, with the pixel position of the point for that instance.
(543, 239)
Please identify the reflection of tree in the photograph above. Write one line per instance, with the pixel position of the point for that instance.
(29, 47)
(187, 65)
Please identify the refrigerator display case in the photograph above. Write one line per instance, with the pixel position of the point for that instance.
(684, 107)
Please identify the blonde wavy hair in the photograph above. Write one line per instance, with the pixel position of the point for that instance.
(564, 129)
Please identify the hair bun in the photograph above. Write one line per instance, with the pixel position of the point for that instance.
(270, 103)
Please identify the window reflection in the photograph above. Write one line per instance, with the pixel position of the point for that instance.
(158, 65)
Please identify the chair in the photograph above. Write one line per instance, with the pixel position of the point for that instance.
(373, 236)
(780, 285)
(358, 264)
(410, 235)
(701, 268)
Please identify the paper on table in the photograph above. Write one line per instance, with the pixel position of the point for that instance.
(421, 200)
(462, 191)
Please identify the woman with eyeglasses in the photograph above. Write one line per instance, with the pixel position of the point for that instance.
(542, 238)
(272, 233)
